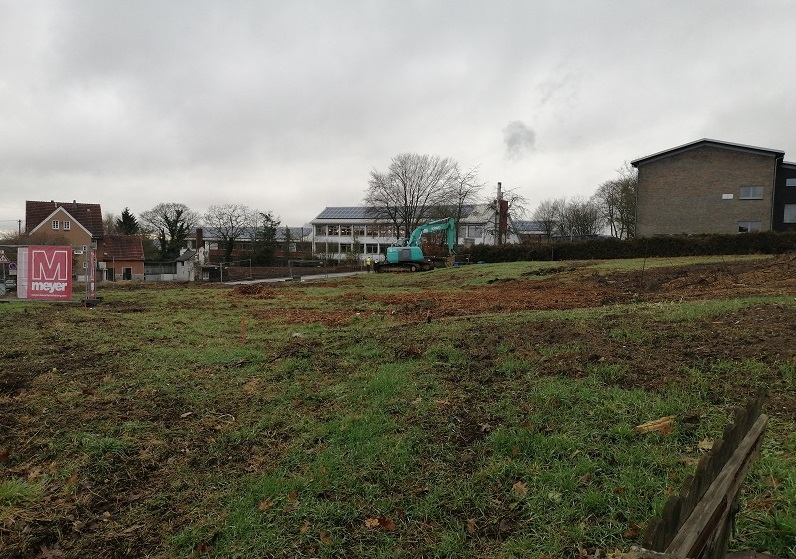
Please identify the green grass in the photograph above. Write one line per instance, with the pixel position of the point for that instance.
(17, 491)
(497, 435)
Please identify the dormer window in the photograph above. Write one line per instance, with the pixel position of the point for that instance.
(67, 225)
(55, 225)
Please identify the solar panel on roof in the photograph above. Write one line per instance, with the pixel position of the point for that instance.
(349, 212)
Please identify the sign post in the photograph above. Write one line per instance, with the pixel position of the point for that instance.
(3, 261)
(91, 275)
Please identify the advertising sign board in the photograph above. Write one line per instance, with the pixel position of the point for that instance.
(44, 273)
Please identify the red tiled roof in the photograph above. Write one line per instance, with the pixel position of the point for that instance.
(122, 247)
(88, 215)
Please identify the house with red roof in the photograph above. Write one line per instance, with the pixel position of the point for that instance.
(80, 226)
(122, 257)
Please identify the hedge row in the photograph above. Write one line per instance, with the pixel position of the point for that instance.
(648, 247)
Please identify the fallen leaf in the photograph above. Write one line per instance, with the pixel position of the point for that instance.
(520, 489)
(372, 522)
(252, 386)
(470, 526)
(71, 481)
(4, 455)
(304, 528)
(290, 507)
(49, 552)
(485, 427)
(554, 496)
(387, 523)
(326, 539)
(662, 425)
(186, 414)
(265, 504)
(505, 525)
(705, 444)
(631, 532)
(399, 512)
(515, 452)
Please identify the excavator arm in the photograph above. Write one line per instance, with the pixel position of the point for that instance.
(448, 225)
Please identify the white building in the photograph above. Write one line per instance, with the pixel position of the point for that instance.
(337, 230)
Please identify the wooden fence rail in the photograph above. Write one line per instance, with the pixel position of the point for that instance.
(696, 523)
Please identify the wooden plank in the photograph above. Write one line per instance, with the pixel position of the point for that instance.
(713, 510)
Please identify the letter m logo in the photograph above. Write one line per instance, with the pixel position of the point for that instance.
(50, 264)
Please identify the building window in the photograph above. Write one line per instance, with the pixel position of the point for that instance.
(749, 226)
(790, 182)
(751, 193)
(475, 231)
(55, 225)
(359, 230)
(345, 230)
(345, 247)
(790, 213)
(67, 225)
(334, 230)
(320, 230)
(371, 248)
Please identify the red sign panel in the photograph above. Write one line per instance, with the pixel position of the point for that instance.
(45, 273)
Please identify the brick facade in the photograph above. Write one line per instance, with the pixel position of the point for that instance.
(696, 189)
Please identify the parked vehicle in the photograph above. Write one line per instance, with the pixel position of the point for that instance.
(409, 257)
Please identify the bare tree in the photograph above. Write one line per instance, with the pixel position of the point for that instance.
(411, 189)
(616, 200)
(109, 224)
(580, 218)
(172, 223)
(231, 222)
(548, 215)
(465, 190)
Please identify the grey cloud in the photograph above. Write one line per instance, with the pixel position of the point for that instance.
(520, 140)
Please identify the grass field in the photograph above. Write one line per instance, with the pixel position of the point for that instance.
(481, 411)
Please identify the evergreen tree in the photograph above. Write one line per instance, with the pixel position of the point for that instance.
(128, 224)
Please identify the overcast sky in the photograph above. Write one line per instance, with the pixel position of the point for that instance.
(286, 106)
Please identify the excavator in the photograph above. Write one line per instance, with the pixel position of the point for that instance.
(408, 256)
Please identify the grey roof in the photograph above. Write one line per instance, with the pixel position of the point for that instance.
(707, 142)
(524, 226)
(296, 233)
(368, 212)
(186, 256)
